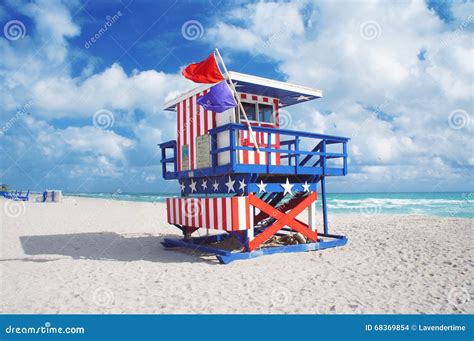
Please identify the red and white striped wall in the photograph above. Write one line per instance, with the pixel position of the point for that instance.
(193, 121)
(225, 214)
(249, 157)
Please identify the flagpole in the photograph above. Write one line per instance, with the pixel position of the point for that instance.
(254, 140)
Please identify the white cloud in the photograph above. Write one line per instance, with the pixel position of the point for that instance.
(111, 89)
(55, 143)
(96, 141)
(54, 24)
(365, 78)
(36, 73)
(393, 105)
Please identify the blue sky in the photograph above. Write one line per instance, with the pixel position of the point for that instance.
(396, 76)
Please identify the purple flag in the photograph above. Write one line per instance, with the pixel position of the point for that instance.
(218, 99)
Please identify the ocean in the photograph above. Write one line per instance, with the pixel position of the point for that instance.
(433, 204)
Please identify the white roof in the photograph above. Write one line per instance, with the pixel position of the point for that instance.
(287, 93)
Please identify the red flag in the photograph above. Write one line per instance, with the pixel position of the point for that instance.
(206, 71)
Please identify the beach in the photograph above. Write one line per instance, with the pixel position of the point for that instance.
(88, 255)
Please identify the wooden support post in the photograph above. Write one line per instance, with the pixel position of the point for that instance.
(214, 147)
(297, 155)
(269, 154)
(250, 229)
(232, 148)
(312, 216)
(322, 158)
(163, 164)
(344, 158)
(323, 185)
(175, 166)
(323, 199)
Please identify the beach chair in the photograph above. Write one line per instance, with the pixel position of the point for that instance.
(16, 196)
(25, 197)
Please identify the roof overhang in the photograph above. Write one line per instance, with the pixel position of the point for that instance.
(287, 93)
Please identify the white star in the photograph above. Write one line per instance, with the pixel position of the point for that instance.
(193, 186)
(215, 185)
(302, 98)
(287, 187)
(306, 186)
(204, 184)
(261, 187)
(181, 184)
(237, 85)
(230, 185)
(242, 185)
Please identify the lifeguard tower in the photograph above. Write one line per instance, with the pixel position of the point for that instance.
(252, 188)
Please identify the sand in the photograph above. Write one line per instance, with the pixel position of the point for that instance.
(104, 256)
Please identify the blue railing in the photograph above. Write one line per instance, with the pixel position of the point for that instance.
(165, 160)
(298, 160)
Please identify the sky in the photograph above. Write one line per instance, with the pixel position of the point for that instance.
(83, 86)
